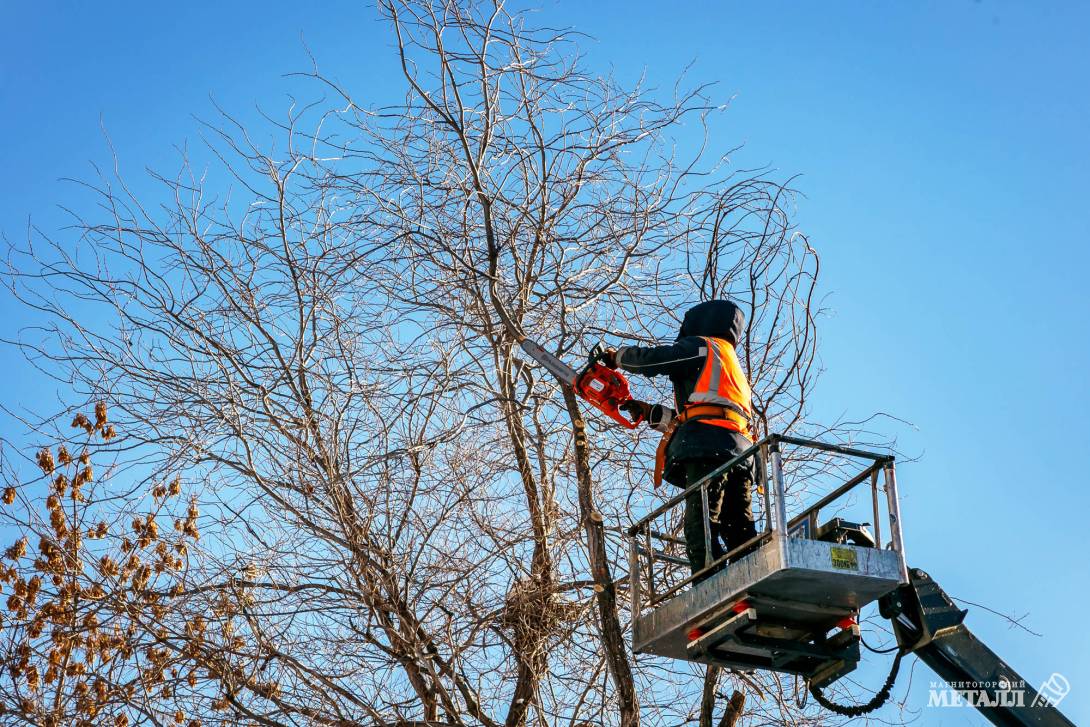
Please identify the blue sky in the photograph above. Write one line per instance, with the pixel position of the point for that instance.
(943, 149)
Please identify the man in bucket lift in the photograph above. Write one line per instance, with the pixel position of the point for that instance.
(709, 426)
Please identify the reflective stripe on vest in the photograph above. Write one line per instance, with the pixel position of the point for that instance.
(721, 380)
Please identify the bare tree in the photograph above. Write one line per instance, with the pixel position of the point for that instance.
(402, 521)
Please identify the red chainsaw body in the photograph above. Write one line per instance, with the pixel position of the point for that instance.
(606, 389)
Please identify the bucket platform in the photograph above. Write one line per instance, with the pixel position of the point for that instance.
(786, 601)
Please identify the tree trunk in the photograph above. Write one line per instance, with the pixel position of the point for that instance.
(616, 650)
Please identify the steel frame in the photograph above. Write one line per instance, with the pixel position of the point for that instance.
(775, 510)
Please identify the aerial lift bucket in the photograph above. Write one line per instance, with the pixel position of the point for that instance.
(786, 601)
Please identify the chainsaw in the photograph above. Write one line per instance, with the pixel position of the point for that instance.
(605, 388)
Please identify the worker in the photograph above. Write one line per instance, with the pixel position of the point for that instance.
(708, 426)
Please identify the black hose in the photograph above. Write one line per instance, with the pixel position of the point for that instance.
(858, 710)
(867, 646)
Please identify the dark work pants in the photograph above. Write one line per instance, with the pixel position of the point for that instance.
(730, 512)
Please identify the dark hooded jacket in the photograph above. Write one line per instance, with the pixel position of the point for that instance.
(682, 361)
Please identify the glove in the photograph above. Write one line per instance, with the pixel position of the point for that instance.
(609, 358)
(637, 409)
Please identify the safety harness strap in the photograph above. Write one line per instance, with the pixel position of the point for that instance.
(729, 416)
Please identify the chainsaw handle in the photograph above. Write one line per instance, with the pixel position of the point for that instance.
(595, 355)
(620, 418)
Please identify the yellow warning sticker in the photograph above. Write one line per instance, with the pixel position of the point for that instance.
(845, 558)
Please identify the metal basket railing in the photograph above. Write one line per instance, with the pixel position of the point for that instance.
(644, 538)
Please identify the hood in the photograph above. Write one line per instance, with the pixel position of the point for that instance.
(716, 319)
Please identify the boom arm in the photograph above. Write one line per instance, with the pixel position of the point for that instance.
(928, 623)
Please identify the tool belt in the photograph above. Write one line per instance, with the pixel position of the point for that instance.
(733, 418)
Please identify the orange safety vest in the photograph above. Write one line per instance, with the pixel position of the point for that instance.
(721, 398)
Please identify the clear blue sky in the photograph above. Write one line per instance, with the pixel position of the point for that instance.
(944, 149)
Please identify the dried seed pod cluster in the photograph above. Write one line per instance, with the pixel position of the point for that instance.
(87, 609)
